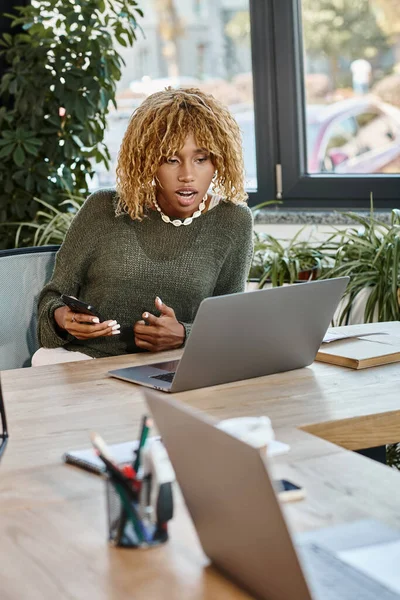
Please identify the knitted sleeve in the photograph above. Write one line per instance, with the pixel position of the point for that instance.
(70, 267)
(235, 270)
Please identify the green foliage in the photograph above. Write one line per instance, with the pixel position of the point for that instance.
(50, 225)
(369, 253)
(347, 28)
(342, 29)
(281, 262)
(55, 96)
(393, 455)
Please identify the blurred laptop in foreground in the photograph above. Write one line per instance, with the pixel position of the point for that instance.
(244, 533)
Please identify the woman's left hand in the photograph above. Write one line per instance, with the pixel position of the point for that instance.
(159, 333)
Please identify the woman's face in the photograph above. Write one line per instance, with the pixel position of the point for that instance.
(183, 179)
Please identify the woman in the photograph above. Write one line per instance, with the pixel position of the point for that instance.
(146, 255)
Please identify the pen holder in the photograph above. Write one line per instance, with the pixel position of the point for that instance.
(133, 523)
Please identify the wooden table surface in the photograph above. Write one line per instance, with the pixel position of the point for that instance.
(53, 517)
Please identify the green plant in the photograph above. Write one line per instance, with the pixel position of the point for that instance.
(256, 209)
(370, 254)
(50, 225)
(285, 262)
(62, 68)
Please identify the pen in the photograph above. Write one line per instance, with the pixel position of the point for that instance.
(146, 424)
(113, 470)
(131, 513)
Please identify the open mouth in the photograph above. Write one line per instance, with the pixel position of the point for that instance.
(186, 196)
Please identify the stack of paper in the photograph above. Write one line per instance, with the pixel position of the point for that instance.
(361, 346)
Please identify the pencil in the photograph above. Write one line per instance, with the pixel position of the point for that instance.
(146, 424)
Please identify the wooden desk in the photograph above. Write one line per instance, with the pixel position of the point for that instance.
(52, 517)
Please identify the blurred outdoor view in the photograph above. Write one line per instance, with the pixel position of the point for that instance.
(351, 66)
(188, 43)
(352, 85)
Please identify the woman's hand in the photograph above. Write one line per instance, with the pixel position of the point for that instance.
(159, 333)
(84, 327)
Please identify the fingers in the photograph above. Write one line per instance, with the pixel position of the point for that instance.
(163, 308)
(145, 345)
(149, 319)
(84, 330)
(82, 318)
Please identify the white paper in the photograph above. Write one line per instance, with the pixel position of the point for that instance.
(380, 562)
(122, 454)
(256, 431)
(275, 447)
(354, 331)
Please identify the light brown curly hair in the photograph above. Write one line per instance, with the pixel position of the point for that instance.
(158, 129)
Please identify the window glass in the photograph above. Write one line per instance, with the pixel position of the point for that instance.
(375, 132)
(352, 75)
(203, 44)
(341, 144)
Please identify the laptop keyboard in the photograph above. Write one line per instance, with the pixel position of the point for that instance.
(164, 377)
(330, 578)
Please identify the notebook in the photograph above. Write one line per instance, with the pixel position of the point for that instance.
(377, 348)
(123, 454)
(87, 459)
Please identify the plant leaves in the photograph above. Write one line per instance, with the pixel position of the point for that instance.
(19, 156)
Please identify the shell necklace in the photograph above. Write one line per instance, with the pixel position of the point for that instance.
(179, 222)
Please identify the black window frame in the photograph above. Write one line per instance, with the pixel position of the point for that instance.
(279, 117)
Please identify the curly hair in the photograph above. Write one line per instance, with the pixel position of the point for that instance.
(158, 129)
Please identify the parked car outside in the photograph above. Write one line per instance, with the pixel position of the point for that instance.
(359, 135)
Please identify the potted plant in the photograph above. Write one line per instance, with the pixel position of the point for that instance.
(62, 64)
(369, 253)
(282, 261)
(50, 224)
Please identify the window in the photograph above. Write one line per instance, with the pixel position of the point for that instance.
(314, 85)
(338, 111)
(203, 44)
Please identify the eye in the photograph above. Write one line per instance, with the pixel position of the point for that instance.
(203, 159)
(171, 161)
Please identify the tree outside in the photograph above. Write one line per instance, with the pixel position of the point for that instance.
(342, 31)
(352, 85)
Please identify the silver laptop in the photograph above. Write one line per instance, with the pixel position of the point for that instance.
(245, 335)
(231, 500)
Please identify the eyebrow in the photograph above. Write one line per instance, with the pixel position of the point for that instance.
(196, 151)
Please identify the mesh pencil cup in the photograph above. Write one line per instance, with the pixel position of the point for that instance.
(132, 525)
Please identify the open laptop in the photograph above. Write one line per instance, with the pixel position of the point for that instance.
(237, 516)
(245, 335)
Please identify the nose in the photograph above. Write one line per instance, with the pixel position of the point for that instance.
(185, 173)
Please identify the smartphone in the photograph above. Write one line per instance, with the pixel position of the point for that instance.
(288, 491)
(80, 307)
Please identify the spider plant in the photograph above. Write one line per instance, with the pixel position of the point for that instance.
(50, 224)
(369, 253)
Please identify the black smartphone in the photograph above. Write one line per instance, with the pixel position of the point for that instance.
(80, 307)
(288, 491)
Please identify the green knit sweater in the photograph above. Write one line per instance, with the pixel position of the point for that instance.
(120, 265)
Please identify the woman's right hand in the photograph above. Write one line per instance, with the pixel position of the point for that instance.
(84, 327)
